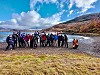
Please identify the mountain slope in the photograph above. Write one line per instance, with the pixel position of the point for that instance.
(89, 23)
(82, 18)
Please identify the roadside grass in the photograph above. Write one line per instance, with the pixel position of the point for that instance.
(55, 64)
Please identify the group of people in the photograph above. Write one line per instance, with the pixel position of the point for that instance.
(22, 40)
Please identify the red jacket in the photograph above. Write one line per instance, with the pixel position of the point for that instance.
(44, 37)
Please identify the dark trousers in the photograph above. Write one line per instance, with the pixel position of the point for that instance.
(43, 44)
(35, 44)
(75, 47)
(62, 43)
(9, 46)
(52, 44)
(15, 43)
(19, 42)
(48, 42)
(22, 43)
(58, 43)
(31, 44)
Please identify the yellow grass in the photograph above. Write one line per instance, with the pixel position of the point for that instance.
(63, 64)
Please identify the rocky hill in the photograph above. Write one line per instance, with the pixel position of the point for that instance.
(89, 23)
(82, 18)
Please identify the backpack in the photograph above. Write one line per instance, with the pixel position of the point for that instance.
(11, 40)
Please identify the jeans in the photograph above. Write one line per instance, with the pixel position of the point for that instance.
(9, 46)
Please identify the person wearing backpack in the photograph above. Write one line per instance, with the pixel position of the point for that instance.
(10, 41)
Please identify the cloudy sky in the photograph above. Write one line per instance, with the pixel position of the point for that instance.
(31, 14)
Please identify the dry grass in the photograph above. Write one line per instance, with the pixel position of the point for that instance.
(63, 64)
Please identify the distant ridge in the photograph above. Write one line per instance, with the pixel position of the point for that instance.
(82, 18)
(89, 23)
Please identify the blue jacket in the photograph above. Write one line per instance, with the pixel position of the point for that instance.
(55, 37)
(11, 40)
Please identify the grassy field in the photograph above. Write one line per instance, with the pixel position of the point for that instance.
(62, 64)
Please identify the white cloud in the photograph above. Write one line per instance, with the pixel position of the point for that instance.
(71, 4)
(83, 4)
(61, 5)
(53, 1)
(0, 21)
(31, 19)
(34, 2)
(9, 24)
(68, 15)
(70, 12)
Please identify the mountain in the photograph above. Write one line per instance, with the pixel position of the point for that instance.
(89, 23)
(1, 28)
(82, 18)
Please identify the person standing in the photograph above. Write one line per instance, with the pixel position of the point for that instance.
(66, 41)
(55, 40)
(14, 36)
(59, 40)
(41, 41)
(48, 40)
(34, 42)
(44, 38)
(22, 40)
(26, 39)
(52, 39)
(19, 41)
(62, 40)
(31, 41)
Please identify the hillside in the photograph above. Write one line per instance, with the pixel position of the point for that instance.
(89, 23)
(82, 18)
